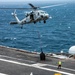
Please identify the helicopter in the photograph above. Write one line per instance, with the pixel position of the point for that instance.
(34, 16)
(31, 17)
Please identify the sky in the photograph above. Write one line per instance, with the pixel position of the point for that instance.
(35, 0)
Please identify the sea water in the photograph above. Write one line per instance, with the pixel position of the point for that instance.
(58, 33)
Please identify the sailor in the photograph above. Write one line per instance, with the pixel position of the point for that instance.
(59, 64)
(42, 56)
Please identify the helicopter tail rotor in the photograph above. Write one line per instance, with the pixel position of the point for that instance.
(17, 19)
(14, 13)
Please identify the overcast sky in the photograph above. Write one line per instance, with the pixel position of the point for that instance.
(34, 0)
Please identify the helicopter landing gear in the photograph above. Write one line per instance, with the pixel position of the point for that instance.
(34, 22)
(44, 21)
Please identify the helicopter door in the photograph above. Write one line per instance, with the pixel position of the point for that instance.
(31, 16)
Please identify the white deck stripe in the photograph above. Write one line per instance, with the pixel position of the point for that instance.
(47, 69)
(62, 67)
(66, 73)
(16, 58)
(2, 74)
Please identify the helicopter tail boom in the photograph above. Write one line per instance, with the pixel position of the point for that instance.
(13, 23)
(17, 19)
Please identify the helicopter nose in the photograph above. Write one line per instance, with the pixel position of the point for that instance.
(46, 16)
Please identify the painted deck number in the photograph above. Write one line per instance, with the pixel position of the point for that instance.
(57, 74)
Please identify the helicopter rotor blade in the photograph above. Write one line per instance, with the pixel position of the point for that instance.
(33, 7)
(17, 8)
(52, 6)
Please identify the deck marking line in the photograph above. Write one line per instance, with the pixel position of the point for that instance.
(2, 74)
(47, 69)
(39, 64)
(16, 58)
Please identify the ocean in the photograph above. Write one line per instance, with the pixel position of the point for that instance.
(57, 34)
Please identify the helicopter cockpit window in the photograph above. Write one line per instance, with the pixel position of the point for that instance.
(42, 12)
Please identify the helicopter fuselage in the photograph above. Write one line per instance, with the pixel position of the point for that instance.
(32, 17)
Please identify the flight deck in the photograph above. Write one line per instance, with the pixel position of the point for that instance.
(21, 62)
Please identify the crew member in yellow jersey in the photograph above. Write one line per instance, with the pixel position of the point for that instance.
(59, 64)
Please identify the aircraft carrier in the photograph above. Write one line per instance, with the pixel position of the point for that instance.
(20, 62)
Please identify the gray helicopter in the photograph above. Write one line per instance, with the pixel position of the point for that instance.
(34, 16)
